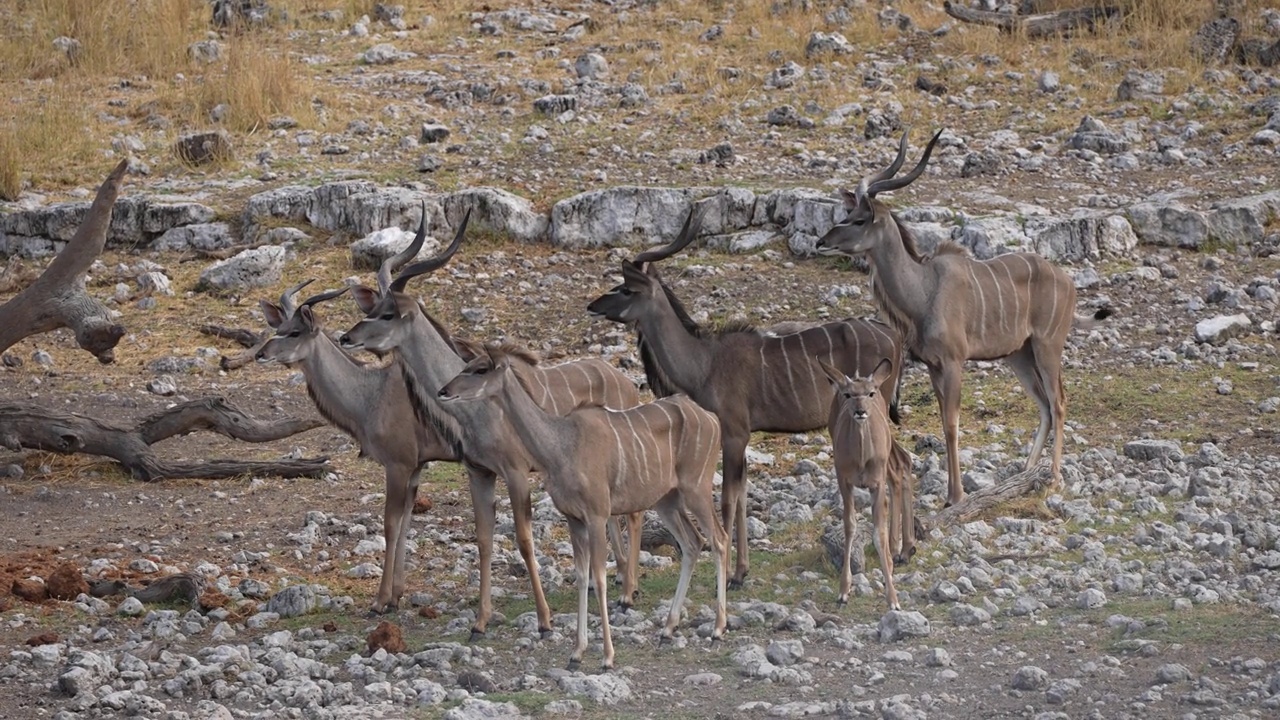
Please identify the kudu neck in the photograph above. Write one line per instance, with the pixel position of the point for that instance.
(897, 277)
(337, 381)
(684, 357)
(433, 360)
(542, 433)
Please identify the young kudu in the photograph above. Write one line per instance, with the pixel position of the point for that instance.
(749, 379)
(950, 308)
(598, 463)
(395, 322)
(372, 405)
(862, 437)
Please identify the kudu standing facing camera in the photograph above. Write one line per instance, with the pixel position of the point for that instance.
(749, 379)
(864, 448)
(949, 308)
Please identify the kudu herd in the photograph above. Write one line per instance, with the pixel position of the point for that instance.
(603, 454)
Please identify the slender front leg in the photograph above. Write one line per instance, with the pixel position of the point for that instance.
(631, 577)
(582, 569)
(402, 539)
(849, 520)
(733, 499)
(522, 510)
(599, 549)
(946, 385)
(398, 496)
(482, 490)
(879, 519)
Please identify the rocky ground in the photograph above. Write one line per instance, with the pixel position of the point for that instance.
(1146, 587)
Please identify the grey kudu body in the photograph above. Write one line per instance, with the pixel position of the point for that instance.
(750, 380)
(371, 404)
(864, 449)
(395, 322)
(950, 308)
(598, 463)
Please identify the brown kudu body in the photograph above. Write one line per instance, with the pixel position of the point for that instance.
(864, 452)
(396, 323)
(372, 405)
(950, 307)
(749, 379)
(599, 463)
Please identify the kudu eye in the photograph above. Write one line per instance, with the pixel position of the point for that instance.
(294, 334)
(482, 371)
(387, 316)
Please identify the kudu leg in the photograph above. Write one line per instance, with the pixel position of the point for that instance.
(522, 512)
(1023, 364)
(1049, 366)
(733, 503)
(901, 477)
(879, 519)
(598, 547)
(482, 484)
(673, 516)
(627, 554)
(395, 529)
(946, 385)
(582, 579)
(704, 511)
(848, 518)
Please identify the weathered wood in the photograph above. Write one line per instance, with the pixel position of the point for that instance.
(976, 503)
(24, 425)
(58, 299)
(243, 336)
(1062, 22)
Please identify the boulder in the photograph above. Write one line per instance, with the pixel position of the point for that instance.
(621, 216)
(1168, 225)
(1243, 221)
(203, 236)
(370, 251)
(1217, 330)
(1084, 237)
(496, 211)
(255, 268)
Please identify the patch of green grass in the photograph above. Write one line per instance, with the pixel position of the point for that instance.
(1212, 627)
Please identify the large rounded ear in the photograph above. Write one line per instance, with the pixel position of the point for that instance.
(632, 272)
(274, 314)
(304, 314)
(366, 298)
(849, 199)
(881, 373)
(832, 372)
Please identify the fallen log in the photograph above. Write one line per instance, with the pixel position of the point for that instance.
(24, 425)
(980, 501)
(1063, 23)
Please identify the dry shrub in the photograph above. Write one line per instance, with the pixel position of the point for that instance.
(10, 166)
(255, 83)
(138, 37)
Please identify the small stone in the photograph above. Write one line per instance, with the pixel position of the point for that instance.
(1170, 673)
(130, 607)
(1030, 677)
(1091, 599)
(785, 652)
(433, 133)
(163, 386)
(897, 625)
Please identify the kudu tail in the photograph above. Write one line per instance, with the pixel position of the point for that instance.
(1087, 323)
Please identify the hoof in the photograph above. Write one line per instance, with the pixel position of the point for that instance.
(606, 666)
(903, 558)
(717, 636)
(574, 664)
(387, 609)
(665, 639)
(843, 601)
(476, 635)
(544, 633)
(734, 584)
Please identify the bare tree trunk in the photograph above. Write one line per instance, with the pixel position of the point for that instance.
(58, 299)
(23, 425)
(1063, 22)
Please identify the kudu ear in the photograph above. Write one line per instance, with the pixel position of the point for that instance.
(850, 200)
(273, 313)
(366, 298)
(881, 373)
(832, 372)
(634, 273)
(304, 313)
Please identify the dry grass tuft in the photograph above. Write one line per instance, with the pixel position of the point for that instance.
(44, 134)
(255, 84)
(10, 166)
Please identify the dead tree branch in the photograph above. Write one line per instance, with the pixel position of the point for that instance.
(24, 425)
(58, 299)
(241, 336)
(1063, 22)
(980, 501)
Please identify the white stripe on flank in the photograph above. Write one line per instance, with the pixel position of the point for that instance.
(982, 311)
(1004, 328)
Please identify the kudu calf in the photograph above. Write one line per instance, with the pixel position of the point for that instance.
(949, 308)
(865, 452)
(598, 463)
(395, 322)
(372, 405)
(749, 379)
